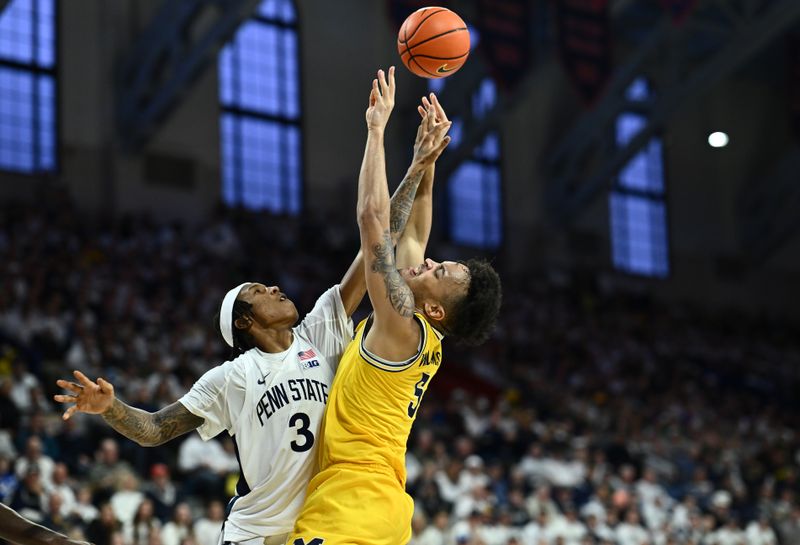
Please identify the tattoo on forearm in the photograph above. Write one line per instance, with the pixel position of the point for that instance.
(400, 295)
(402, 203)
(151, 429)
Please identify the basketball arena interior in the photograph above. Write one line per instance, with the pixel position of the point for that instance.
(631, 168)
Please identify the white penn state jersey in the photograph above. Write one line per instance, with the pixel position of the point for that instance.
(272, 405)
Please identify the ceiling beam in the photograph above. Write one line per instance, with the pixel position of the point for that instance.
(178, 45)
(570, 192)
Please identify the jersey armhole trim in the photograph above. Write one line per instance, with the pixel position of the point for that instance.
(392, 366)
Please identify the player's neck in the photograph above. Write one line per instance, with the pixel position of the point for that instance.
(274, 341)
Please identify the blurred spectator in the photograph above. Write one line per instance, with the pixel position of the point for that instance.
(790, 527)
(55, 518)
(37, 427)
(568, 527)
(33, 457)
(84, 510)
(759, 532)
(73, 447)
(125, 501)
(64, 490)
(8, 480)
(205, 466)
(207, 529)
(540, 502)
(162, 491)
(25, 389)
(631, 532)
(30, 500)
(447, 481)
(108, 471)
(143, 525)
(103, 529)
(437, 532)
(179, 528)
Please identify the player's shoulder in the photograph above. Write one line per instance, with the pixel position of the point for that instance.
(235, 368)
(330, 302)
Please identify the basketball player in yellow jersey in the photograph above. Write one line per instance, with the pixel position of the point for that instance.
(358, 497)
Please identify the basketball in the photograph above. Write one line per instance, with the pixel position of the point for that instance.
(433, 42)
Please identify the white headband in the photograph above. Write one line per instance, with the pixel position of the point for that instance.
(226, 314)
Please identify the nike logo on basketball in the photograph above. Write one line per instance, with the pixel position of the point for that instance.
(443, 69)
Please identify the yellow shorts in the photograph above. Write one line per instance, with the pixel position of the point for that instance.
(354, 505)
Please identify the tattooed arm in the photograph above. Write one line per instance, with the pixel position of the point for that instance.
(394, 335)
(413, 240)
(402, 204)
(147, 429)
(151, 429)
(411, 205)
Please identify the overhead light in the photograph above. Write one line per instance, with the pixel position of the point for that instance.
(718, 139)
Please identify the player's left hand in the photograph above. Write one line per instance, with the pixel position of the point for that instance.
(381, 101)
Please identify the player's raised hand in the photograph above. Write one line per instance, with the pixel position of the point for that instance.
(432, 136)
(435, 105)
(381, 100)
(87, 396)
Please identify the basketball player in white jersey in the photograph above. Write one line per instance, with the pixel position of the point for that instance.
(271, 398)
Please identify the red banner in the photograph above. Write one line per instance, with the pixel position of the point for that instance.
(584, 42)
(679, 10)
(504, 28)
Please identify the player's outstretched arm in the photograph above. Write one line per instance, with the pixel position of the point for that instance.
(405, 203)
(17, 529)
(391, 297)
(413, 240)
(394, 334)
(147, 429)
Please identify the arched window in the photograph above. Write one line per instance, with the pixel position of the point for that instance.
(474, 207)
(637, 207)
(259, 80)
(474, 196)
(28, 86)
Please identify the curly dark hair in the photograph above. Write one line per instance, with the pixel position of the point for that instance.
(471, 318)
(242, 342)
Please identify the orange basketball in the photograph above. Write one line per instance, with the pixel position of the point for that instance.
(433, 42)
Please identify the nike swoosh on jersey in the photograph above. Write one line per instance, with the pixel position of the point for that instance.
(263, 380)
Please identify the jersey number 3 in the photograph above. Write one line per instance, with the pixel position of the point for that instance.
(419, 389)
(303, 430)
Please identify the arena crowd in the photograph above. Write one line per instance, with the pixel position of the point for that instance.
(591, 417)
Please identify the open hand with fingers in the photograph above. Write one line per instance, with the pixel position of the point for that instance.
(87, 396)
(432, 136)
(381, 100)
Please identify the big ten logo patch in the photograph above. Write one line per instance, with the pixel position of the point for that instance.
(309, 364)
(308, 359)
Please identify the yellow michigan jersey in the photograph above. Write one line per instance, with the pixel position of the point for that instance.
(358, 497)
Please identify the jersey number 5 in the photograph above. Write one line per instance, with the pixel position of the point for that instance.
(419, 389)
(308, 437)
